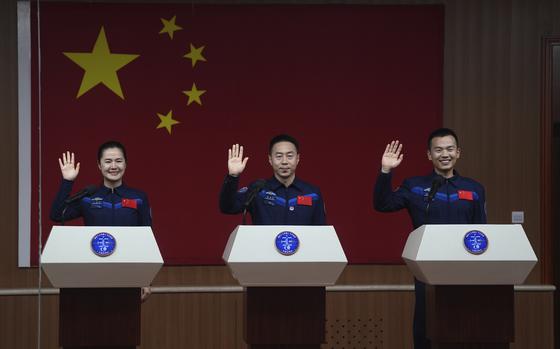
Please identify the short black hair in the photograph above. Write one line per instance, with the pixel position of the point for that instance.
(283, 138)
(442, 132)
(109, 145)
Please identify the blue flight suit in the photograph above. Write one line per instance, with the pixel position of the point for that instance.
(298, 204)
(459, 200)
(121, 206)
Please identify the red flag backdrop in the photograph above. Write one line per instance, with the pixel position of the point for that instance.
(344, 80)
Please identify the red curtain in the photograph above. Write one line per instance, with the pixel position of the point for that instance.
(343, 79)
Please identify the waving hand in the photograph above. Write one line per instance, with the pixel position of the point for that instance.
(68, 168)
(236, 162)
(392, 156)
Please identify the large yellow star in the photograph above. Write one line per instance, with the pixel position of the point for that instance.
(194, 94)
(169, 27)
(100, 66)
(195, 54)
(167, 121)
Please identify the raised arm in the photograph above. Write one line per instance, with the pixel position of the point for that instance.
(231, 201)
(384, 198)
(69, 170)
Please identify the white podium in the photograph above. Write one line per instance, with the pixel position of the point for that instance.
(436, 255)
(254, 260)
(470, 271)
(100, 294)
(284, 301)
(68, 259)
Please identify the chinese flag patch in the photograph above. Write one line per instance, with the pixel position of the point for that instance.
(130, 203)
(465, 195)
(305, 200)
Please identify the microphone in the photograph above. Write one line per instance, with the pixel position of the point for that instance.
(87, 191)
(255, 189)
(436, 184)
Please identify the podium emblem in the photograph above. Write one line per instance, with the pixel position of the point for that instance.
(287, 243)
(103, 244)
(475, 242)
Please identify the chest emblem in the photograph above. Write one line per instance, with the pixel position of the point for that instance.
(96, 202)
(130, 203)
(269, 198)
(465, 195)
(305, 200)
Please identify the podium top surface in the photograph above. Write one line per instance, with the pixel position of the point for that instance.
(469, 254)
(256, 243)
(255, 259)
(72, 244)
(444, 242)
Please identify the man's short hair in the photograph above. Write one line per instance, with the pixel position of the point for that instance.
(442, 132)
(109, 145)
(283, 138)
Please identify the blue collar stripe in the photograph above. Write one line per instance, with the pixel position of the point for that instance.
(282, 202)
(110, 205)
(441, 196)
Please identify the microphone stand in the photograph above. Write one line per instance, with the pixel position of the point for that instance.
(250, 199)
(251, 196)
(62, 220)
(89, 190)
(436, 184)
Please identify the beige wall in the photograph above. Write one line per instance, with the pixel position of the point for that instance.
(491, 97)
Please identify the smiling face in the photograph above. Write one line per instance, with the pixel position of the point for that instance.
(112, 166)
(284, 159)
(444, 153)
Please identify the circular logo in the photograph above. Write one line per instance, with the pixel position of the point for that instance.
(475, 242)
(287, 243)
(103, 244)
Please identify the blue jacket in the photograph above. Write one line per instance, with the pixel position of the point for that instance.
(299, 204)
(459, 200)
(122, 206)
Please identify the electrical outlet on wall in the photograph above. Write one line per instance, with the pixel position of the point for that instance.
(518, 217)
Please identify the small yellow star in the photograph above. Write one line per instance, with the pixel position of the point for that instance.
(100, 66)
(169, 27)
(195, 54)
(194, 94)
(167, 121)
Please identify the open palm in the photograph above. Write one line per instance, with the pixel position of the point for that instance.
(68, 167)
(392, 156)
(236, 162)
